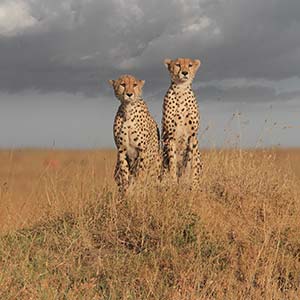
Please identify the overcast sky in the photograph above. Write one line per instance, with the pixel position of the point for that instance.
(56, 57)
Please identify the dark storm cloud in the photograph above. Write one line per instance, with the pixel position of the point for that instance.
(250, 94)
(76, 45)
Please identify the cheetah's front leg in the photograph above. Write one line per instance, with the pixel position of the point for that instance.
(142, 165)
(193, 164)
(197, 169)
(122, 172)
(172, 158)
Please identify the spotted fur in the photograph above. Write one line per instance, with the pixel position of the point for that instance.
(136, 134)
(180, 122)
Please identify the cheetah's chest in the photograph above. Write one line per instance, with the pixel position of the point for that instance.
(130, 140)
(184, 117)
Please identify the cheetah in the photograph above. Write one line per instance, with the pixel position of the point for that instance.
(136, 134)
(180, 122)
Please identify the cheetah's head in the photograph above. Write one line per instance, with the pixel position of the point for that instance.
(127, 88)
(182, 70)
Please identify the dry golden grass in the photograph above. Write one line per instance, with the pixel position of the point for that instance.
(67, 235)
(30, 179)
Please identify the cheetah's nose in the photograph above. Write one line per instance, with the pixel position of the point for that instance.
(129, 94)
(184, 73)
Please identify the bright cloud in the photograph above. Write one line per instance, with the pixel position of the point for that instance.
(14, 17)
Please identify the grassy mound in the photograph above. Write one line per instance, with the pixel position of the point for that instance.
(238, 238)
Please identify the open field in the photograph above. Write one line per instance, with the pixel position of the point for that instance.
(65, 234)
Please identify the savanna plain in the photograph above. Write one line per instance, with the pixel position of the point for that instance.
(66, 234)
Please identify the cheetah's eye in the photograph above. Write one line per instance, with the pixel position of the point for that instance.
(178, 65)
(134, 85)
(190, 65)
(123, 84)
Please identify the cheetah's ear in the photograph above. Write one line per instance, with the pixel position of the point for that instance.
(111, 82)
(197, 63)
(167, 62)
(142, 82)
